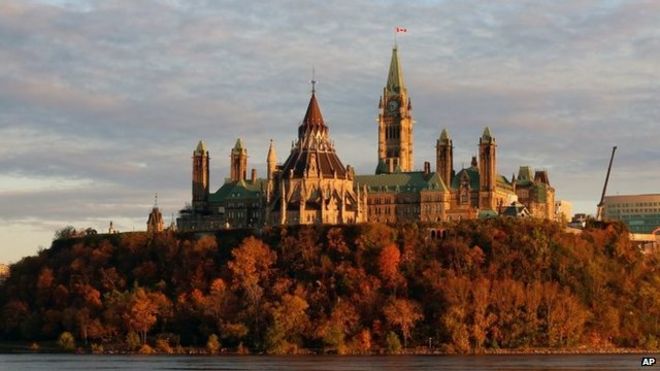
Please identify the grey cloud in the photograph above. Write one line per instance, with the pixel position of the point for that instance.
(118, 92)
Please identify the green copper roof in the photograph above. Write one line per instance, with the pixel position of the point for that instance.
(473, 175)
(241, 189)
(201, 147)
(444, 137)
(486, 134)
(381, 168)
(503, 182)
(524, 176)
(239, 144)
(413, 181)
(395, 76)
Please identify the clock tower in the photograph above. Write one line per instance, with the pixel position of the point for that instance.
(395, 123)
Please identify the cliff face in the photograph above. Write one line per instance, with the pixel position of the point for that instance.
(499, 283)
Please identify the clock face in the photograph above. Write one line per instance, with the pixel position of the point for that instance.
(393, 105)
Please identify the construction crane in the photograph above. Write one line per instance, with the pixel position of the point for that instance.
(599, 208)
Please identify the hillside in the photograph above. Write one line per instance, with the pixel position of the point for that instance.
(494, 284)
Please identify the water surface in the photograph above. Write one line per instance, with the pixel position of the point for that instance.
(324, 363)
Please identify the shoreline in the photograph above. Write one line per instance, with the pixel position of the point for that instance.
(13, 348)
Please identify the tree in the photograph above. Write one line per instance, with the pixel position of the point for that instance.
(289, 321)
(213, 344)
(142, 313)
(392, 343)
(250, 269)
(388, 265)
(66, 341)
(403, 313)
(66, 232)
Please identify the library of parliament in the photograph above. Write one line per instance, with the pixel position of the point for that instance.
(313, 186)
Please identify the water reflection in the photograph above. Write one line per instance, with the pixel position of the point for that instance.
(323, 363)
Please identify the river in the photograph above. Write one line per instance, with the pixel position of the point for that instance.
(72, 362)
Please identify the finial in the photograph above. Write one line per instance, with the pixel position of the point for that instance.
(156, 200)
(313, 80)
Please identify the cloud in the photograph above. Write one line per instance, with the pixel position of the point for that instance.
(102, 102)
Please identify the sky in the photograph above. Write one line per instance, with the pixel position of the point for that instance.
(103, 102)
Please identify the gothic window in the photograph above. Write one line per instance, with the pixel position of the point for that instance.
(464, 191)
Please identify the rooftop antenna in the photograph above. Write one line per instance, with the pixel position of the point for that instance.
(313, 80)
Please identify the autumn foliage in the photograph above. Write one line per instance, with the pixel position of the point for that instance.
(493, 284)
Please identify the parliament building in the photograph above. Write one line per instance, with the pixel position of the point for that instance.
(313, 186)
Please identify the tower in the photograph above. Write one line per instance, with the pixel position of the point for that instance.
(444, 157)
(395, 123)
(155, 221)
(487, 170)
(238, 162)
(271, 160)
(200, 177)
(271, 168)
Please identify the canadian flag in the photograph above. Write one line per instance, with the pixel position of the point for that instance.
(401, 29)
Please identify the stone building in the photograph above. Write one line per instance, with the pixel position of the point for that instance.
(238, 203)
(312, 186)
(155, 222)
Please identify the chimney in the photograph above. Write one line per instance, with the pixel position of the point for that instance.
(427, 168)
(253, 176)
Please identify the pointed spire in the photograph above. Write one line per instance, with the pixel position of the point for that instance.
(395, 76)
(238, 145)
(486, 134)
(272, 156)
(444, 136)
(313, 119)
(201, 148)
(313, 115)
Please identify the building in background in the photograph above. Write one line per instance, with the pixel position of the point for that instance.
(641, 213)
(563, 211)
(155, 223)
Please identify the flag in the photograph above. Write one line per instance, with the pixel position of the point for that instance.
(401, 29)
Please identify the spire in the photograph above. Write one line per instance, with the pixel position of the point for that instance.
(444, 136)
(313, 119)
(201, 148)
(238, 145)
(487, 134)
(395, 76)
(313, 115)
(272, 156)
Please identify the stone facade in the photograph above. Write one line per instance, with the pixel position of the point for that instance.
(312, 186)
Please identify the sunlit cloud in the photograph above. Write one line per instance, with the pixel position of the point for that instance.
(102, 102)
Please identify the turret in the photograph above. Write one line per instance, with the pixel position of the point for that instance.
(271, 160)
(238, 162)
(155, 222)
(444, 157)
(200, 177)
(487, 169)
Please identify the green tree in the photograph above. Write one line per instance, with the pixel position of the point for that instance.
(66, 341)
